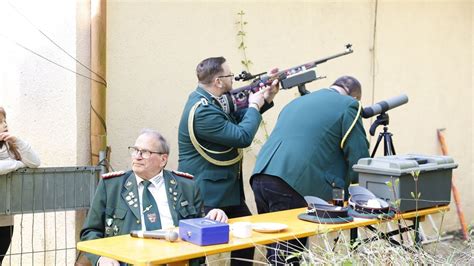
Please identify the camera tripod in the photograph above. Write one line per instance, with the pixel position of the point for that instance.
(388, 148)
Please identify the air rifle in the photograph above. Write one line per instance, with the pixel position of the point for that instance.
(298, 76)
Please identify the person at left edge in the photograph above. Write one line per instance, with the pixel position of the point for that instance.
(117, 205)
(15, 153)
(210, 140)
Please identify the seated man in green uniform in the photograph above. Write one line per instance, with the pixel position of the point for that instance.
(316, 141)
(147, 198)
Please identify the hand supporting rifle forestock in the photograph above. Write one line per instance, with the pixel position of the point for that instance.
(274, 88)
(265, 93)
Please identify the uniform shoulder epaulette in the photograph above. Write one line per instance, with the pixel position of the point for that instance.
(186, 175)
(113, 174)
(204, 102)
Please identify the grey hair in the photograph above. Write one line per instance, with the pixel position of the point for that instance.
(350, 84)
(164, 146)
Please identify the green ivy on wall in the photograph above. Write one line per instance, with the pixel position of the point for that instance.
(246, 63)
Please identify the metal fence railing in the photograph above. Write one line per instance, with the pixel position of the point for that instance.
(49, 206)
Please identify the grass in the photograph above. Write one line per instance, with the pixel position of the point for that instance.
(383, 253)
(321, 250)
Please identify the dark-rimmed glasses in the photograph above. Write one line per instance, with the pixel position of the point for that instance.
(145, 154)
(231, 75)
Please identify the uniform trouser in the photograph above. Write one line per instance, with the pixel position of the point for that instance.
(234, 212)
(273, 194)
(6, 233)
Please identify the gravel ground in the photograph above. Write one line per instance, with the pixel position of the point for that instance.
(453, 249)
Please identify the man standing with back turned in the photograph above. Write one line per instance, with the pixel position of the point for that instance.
(210, 140)
(316, 141)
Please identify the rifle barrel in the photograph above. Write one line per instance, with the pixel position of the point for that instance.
(320, 61)
(284, 73)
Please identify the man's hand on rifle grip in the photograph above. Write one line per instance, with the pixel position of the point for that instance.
(270, 93)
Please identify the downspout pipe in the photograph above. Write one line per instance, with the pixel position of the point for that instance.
(98, 127)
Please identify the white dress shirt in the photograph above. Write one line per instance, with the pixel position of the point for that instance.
(158, 190)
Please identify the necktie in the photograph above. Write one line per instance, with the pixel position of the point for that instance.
(150, 209)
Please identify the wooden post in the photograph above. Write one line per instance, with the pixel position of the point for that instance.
(454, 189)
(98, 90)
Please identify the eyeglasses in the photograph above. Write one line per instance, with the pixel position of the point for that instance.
(231, 75)
(145, 154)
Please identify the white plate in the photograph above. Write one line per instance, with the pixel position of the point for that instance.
(268, 227)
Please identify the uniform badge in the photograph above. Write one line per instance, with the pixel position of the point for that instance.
(151, 217)
(116, 229)
(109, 221)
(184, 203)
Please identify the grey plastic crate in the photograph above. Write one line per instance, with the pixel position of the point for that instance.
(47, 189)
(434, 180)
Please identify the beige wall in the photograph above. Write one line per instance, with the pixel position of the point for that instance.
(423, 49)
(47, 106)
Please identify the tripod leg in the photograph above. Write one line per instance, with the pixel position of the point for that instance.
(386, 145)
(379, 138)
(391, 145)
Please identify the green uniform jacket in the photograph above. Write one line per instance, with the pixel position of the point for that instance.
(304, 147)
(215, 130)
(110, 213)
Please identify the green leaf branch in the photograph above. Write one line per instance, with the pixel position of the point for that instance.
(246, 63)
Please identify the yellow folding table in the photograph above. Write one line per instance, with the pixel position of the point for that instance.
(139, 251)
